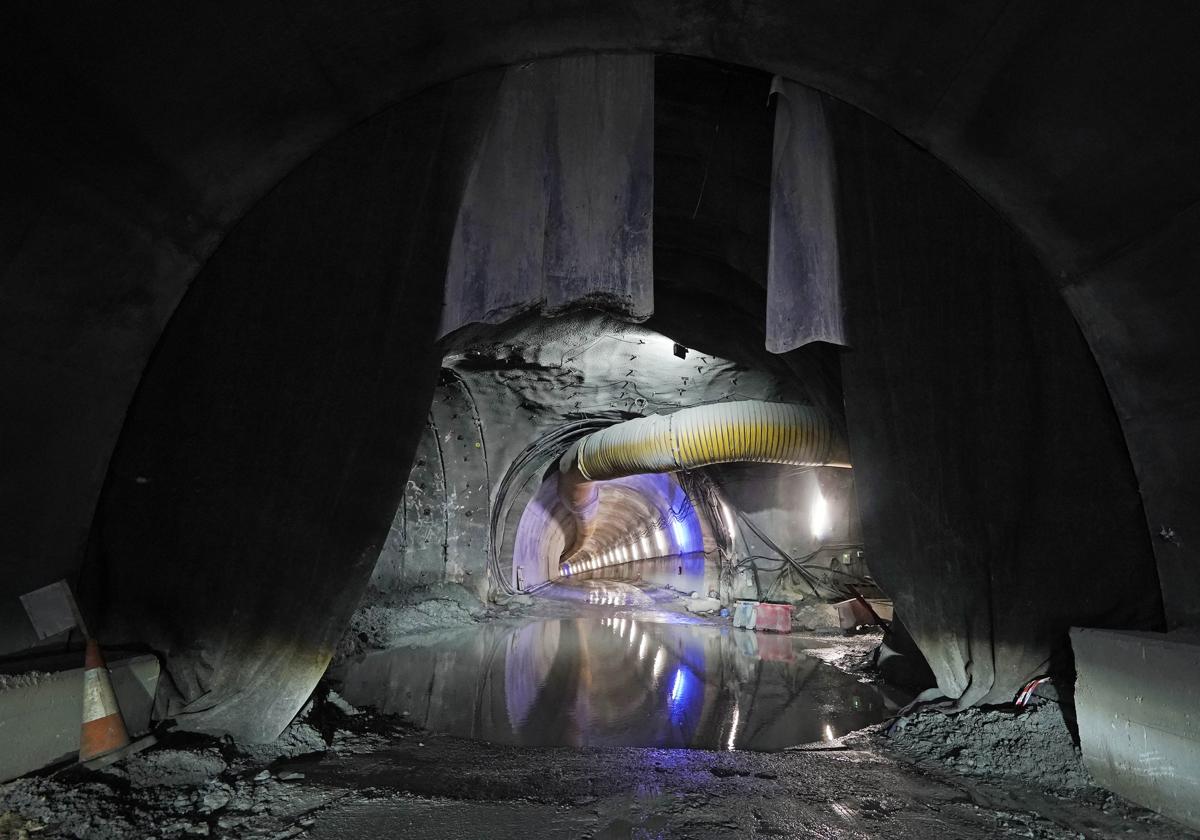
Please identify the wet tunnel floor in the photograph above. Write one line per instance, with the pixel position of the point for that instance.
(617, 681)
(570, 726)
(426, 785)
(389, 776)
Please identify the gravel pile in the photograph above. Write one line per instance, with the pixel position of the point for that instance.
(1032, 745)
(384, 620)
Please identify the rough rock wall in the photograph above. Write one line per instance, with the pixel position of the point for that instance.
(520, 381)
(439, 533)
(414, 553)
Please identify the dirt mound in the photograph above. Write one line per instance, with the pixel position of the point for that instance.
(1031, 745)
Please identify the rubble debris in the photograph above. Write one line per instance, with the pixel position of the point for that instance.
(1032, 745)
(339, 703)
(815, 616)
(300, 738)
(384, 619)
(171, 767)
(519, 599)
(191, 785)
(703, 605)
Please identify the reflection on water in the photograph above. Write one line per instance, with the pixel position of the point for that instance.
(617, 682)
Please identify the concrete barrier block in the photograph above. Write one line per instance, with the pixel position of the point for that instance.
(40, 712)
(1137, 696)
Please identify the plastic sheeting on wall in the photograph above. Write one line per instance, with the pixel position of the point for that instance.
(997, 498)
(804, 285)
(558, 205)
(264, 455)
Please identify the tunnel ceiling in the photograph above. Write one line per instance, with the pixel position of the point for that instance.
(592, 362)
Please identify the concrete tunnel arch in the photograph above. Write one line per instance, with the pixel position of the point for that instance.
(531, 525)
(650, 523)
(403, 363)
(172, 229)
(1096, 286)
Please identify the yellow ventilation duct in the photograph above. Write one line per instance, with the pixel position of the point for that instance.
(751, 431)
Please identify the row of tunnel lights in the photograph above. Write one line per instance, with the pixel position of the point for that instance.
(640, 548)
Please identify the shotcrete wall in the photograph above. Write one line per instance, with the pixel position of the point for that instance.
(440, 530)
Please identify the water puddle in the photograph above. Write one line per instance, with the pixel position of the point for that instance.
(617, 682)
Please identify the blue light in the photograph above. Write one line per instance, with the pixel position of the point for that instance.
(685, 524)
(682, 696)
(677, 686)
(679, 529)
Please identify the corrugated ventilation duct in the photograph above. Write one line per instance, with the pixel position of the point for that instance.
(752, 431)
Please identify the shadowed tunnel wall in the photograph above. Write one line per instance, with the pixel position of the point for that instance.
(995, 490)
(268, 443)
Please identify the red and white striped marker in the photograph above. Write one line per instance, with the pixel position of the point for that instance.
(103, 729)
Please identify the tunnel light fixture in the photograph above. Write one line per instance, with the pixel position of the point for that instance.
(645, 544)
(819, 517)
(733, 725)
(728, 518)
(679, 529)
(660, 659)
(677, 685)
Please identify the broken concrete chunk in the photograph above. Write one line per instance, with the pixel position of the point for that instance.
(815, 616)
(703, 605)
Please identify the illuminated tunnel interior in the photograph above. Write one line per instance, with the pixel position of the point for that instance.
(647, 523)
(460, 419)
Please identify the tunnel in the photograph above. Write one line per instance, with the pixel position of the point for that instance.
(599, 419)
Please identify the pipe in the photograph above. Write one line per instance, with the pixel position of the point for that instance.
(750, 431)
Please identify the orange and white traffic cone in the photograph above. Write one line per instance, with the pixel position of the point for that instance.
(103, 729)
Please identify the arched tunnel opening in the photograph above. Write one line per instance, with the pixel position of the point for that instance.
(649, 490)
(614, 424)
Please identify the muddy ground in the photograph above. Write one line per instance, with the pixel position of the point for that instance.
(339, 772)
